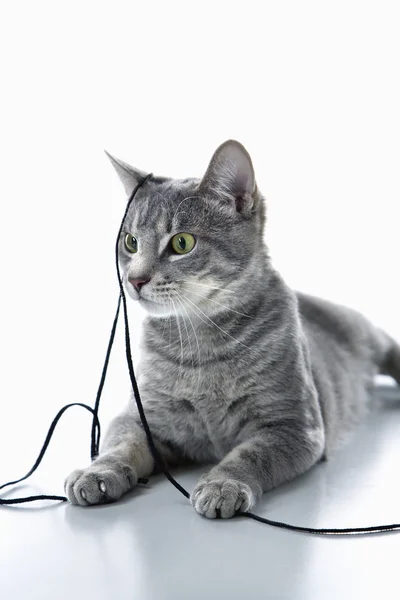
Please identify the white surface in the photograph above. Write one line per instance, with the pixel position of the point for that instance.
(311, 89)
(152, 545)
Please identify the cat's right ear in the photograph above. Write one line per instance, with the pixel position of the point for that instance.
(128, 175)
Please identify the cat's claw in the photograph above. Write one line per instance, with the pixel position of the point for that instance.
(99, 483)
(222, 497)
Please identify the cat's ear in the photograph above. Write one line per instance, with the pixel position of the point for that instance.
(231, 174)
(129, 176)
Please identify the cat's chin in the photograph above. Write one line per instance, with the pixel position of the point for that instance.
(155, 309)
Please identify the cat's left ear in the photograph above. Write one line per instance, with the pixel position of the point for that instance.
(230, 174)
(128, 175)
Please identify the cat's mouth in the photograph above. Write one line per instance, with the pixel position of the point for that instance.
(156, 309)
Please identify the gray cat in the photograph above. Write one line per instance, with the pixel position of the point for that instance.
(236, 368)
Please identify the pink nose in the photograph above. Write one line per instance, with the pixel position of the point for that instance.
(137, 283)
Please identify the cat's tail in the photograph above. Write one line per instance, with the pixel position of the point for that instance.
(391, 363)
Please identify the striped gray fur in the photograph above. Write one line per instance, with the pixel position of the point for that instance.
(236, 369)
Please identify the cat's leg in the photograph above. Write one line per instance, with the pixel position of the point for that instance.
(272, 456)
(124, 458)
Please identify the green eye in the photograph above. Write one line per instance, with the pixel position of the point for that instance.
(130, 243)
(183, 243)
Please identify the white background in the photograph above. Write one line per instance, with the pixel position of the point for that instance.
(312, 90)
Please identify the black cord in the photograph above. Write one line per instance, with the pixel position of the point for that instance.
(322, 531)
(156, 455)
(95, 436)
(42, 453)
(95, 433)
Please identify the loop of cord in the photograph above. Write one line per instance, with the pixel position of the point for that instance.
(50, 432)
(95, 432)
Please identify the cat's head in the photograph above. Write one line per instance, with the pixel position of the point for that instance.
(189, 246)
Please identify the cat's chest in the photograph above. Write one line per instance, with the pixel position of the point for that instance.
(219, 380)
(200, 409)
(200, 412)
(203, 428)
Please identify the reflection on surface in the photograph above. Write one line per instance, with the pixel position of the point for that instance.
(152, 545)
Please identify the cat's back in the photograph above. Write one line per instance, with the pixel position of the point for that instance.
(338, 332)
(335, 322)
(345, 349)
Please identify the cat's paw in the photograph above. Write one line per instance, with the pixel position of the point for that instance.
(222, 497)
(100, 483)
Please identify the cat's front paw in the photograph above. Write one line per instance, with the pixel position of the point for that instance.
(100, 483)
(222, 497)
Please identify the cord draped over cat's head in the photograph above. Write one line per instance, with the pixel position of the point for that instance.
(229, 176)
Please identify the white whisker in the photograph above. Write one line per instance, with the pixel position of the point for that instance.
(187, 198)
(190, 321)
(162, 335)
(170, 324)
(215, 325)
(209, 286)
(179, 329)
(187, 333)
(223, 305)
(195, 335)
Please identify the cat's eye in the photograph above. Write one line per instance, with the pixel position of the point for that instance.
(130, 243)
(182, 243)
